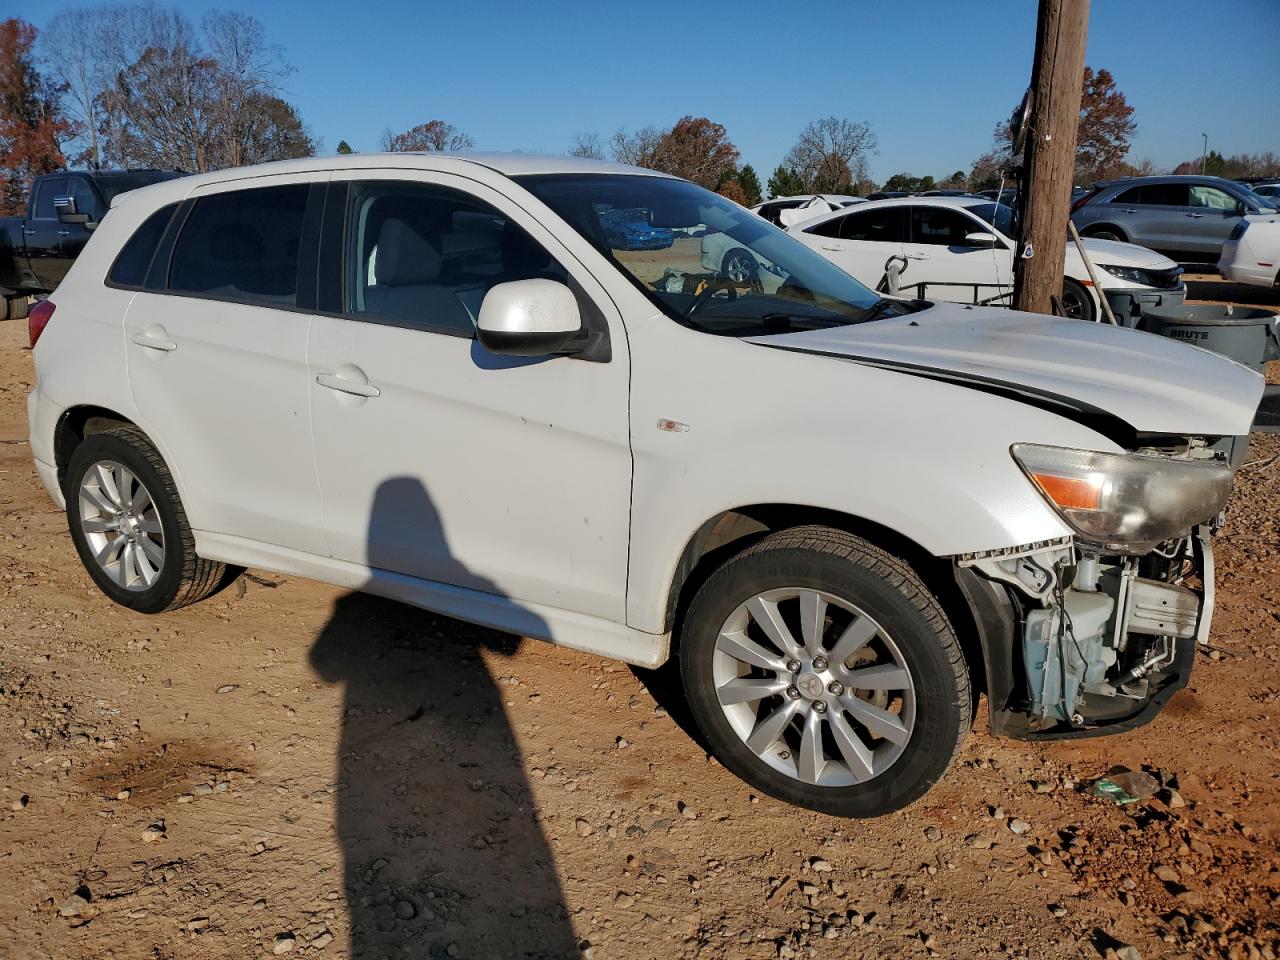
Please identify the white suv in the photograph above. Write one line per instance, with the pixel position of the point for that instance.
(432, 377)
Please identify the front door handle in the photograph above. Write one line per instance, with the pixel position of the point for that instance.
(64, 233)
(1128, 211)
(154, 342)
(29, 231)
(342, 385)
(916, 255)
(832, 246)
(1194, 216)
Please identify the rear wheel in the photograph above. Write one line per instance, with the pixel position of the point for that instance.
(1107, 233)
(129, 526)
(823, 672)
(1076, 302)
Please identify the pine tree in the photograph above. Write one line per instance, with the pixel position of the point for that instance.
(344, 148)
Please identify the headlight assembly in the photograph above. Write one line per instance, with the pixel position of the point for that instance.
(1125, 502)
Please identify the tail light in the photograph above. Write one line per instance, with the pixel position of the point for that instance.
(38, 318)
(1084, 198)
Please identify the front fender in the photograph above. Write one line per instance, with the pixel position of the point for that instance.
(925, 459)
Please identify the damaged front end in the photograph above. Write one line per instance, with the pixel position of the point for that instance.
(1093, 633)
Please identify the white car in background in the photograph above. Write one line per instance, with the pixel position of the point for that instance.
(1252, 252)
(960, 249)
(785, 211)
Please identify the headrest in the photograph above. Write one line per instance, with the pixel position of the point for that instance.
(522, 256)
(405, 257)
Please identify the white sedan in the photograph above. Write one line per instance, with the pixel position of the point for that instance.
(960, 249)
(1252, 252)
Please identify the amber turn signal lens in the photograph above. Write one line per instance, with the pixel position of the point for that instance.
(1070, 492)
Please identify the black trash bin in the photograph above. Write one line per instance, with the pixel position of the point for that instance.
(1247, 335)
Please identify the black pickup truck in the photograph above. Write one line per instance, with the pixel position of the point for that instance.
(36, 251)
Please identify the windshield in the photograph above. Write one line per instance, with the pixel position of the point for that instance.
(998, 215)
(709, 263)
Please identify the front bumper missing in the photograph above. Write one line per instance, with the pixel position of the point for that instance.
(1001, 605)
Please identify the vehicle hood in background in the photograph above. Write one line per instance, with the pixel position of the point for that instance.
(1153, 384)
(1118, 254)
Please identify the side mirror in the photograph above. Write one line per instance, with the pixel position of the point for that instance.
(528, 318)
(67, 211)
(981, 239)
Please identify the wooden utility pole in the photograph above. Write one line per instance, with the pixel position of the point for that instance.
(1049, 163)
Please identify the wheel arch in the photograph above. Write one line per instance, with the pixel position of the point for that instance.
(1094, 228)
(730, 531)
(79, 422)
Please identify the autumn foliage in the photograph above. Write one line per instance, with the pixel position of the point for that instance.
(32, 127)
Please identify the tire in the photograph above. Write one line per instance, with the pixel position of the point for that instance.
(743, 263)
(1076, 301)
(1106, 233)
(15, 307)
(152, 566)
(872, 598)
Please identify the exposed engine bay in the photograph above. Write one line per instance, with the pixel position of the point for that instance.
(1085, 639)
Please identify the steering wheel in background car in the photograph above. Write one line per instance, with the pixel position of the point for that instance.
(710, 290)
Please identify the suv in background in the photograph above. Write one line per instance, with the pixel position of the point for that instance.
(1186, 218)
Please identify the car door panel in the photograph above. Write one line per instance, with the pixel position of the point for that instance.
(40, 234)
(951, 269)
(506, 475)
(222, 385)
(861, 243)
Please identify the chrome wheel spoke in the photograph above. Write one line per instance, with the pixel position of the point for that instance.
(152, 551)
(110, 551)
(147, 567)
(879, 721)
(855, 637)
(750, 689)
(741, 647)
(882, 676)
(106, 482)
(151, 525)
(97, 500)
(813, 617)
(810, 760)
(769, 730)
(97, 525)
(852, 750)
(765, 613)
(126, 570)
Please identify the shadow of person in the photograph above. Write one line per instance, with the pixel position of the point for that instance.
(442, 852)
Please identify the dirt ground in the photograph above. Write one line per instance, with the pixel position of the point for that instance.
(291, 768)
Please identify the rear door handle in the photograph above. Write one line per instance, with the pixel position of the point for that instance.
(154, 342)
(342, 385)
(917, 256)
(64, 233)
(832, 246)
(1128, 211)
(28, 231)
(1194, 216)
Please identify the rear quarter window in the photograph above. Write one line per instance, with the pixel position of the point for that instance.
(134, 260)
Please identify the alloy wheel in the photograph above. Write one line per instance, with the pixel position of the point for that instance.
(814, 686)
(121, 524)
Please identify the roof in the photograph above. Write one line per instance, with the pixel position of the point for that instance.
(508, 164)
(1166, 178)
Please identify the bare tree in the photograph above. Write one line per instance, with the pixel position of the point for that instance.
(831, 154)
(249, 72)
(434, 135)
(637, 148)
(588, 146)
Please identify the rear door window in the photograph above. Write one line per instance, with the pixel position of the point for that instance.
(243, 246)
(883, 226)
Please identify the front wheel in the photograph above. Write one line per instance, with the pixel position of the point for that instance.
(1076, 302)
(823, 673)
(130, 528)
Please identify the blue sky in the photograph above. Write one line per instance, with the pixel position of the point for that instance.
(932, 76)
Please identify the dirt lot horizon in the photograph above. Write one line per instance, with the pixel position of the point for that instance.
(293, 769)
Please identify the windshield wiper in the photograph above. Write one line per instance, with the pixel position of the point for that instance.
(882, 307)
